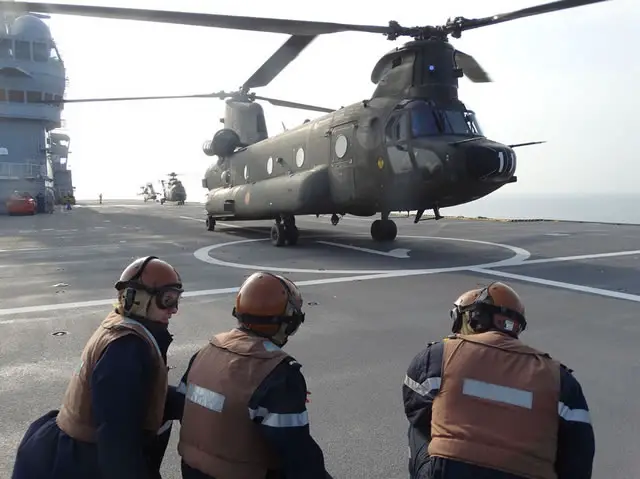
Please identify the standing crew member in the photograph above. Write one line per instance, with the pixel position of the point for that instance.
(115, 419)
(245, 412)
(483, 405)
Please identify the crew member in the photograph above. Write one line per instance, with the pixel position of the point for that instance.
(115, 419)
(482, 404)
(245, 411)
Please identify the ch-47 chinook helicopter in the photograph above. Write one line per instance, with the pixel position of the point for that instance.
(148, 192)
(173, 190)
(413, 145)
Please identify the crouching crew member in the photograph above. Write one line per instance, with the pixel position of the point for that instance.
(115, 419)
(483, 405)
(245, 411)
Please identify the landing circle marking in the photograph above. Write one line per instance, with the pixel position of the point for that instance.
(519, 256)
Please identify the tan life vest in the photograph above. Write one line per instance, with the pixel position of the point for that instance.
(497, 406)
(218, 436)
(76, 414)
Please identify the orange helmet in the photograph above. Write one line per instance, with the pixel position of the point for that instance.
(265, 301)
(496, 306)
(153, 276)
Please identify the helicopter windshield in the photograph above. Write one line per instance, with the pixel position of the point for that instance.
(429, 121)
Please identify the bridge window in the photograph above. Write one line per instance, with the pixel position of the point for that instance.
(3, 94)
(40, 51)
(48, 97)
(16, 96)
(23, 50)
(34, 97)
(6, 50)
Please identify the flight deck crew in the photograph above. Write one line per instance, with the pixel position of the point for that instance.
(115, 419)
(245, 412)
(481, 404)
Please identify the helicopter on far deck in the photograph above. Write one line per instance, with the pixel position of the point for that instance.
(148, 192)
(173, 190)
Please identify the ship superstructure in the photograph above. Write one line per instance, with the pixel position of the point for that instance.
(33, 156)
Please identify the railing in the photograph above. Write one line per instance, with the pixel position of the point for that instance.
(18, 171)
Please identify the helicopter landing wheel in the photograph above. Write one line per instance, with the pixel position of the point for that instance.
(291, 234)
(384, 230)
(211, 223)
(282, 234)
(278, 235)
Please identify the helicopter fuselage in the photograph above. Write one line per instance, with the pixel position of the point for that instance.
(371, 157)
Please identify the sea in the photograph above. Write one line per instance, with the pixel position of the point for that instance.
(585, 207)
(601, 208)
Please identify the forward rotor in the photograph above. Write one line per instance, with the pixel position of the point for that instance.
(302, 32)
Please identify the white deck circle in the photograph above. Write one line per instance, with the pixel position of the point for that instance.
(519, 255)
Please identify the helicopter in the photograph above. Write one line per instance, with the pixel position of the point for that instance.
(148, 192)
(412, 146)
(173, 190)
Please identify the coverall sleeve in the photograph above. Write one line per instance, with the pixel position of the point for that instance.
(174, 405)
(181, 390)
(120, 386)
(576, 439)
(421, 385)
(279, 406)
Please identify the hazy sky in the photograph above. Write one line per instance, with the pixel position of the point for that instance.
(566, 77)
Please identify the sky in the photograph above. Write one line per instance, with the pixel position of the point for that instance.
(564, 77)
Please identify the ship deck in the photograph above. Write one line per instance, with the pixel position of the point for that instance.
(370, 308)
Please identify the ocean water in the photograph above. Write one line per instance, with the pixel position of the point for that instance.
(607, 208)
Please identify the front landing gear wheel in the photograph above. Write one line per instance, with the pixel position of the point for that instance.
(278, 235)
(284, 234)
(384, 230)
(291, 234)
(211, 223)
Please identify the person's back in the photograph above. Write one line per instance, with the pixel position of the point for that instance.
(482, 404)
(245, 410)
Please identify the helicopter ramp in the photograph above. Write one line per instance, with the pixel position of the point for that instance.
(370, 308)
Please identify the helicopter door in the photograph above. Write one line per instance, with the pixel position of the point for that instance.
(342, 172)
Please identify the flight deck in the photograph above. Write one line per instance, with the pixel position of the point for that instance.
(370, 307)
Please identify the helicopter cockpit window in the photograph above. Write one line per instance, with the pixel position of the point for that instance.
(423, 120)
(429, 121)
(461, 123)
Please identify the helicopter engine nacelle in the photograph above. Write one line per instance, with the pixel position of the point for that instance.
(224, 143)
(207, 147)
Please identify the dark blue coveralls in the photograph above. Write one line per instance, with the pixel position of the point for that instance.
(120, 386)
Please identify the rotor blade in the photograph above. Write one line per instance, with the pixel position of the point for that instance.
(462, 24)
(278, 61)
(291, 104)
(270, 25)
(527, 144)
(131, 98)
(471, 68)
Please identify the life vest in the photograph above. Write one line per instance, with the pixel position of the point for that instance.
(497, 406)
(218, 436)
(76, 415)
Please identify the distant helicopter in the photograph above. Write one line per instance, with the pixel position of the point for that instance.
(412, 146)
(173, 190)
(148, 192)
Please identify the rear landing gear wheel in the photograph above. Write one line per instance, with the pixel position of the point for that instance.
(384, 230)
(211, 223)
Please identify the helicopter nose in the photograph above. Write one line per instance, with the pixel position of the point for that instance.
(490, 163)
